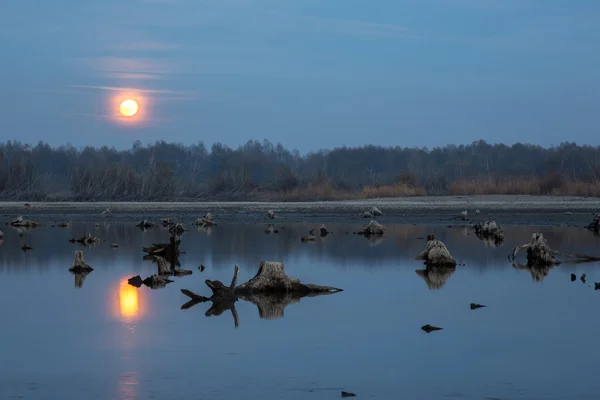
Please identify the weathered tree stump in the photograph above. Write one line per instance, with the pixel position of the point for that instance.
(106, 213)
(79, 265)
(540, 254)
(271, 289)
(436, 254)
(270, 214)
(373, 228)
(375, 212)
(156, 281)
(167, 250)
(64, 224)
(167, 221)
(25, 223)
(308, 239)
(489, 230)
(436, 276)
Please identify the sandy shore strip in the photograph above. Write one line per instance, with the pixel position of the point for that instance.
(510, 209)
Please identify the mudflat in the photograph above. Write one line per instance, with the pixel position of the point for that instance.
(506, 209)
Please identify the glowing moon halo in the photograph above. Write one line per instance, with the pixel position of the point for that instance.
(129, 108)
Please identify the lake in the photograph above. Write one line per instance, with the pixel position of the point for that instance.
(536, 339)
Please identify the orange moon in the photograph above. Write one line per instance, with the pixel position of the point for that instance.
(129, 108)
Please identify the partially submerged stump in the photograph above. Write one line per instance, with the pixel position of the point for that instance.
(80, 269)
(166, 221)
(25, 223)
(64, 224)
(106, 213)
(156, 282)
(436, 276)
(323, 231)
(144, 224)
(436, 253)
(177, 229)
(308, 238)
(540, 254)
(372, 228)
(271, 289)
(489, 230)
(595, 224)
(270, 214)
(375, 212)
(206, 221)
(87, 239)
(168, 250)
(79, 265)
(25, 247)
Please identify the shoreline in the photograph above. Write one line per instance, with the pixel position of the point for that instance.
(505, 209)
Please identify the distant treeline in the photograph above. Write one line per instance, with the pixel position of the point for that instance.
(264, 171)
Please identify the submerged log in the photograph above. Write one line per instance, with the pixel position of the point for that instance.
(372, 228)
(489, 230)
(436, 253)
(25, 223)
(540, 254)
(436, 276)
(271, 289)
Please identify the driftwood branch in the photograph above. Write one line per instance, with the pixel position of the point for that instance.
(539, 253)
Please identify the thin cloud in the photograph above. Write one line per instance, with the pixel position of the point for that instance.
(146, 67)
(144, 46)
(145, 91)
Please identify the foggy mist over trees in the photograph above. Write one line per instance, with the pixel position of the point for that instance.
(265, 171)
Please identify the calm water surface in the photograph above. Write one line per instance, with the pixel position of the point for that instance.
(537, 339)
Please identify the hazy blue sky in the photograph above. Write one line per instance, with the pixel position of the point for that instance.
(306, 73)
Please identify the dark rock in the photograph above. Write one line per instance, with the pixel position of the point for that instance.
(573, 277)
(475, 306)
(348, 394)
(135, 281)
(430, 328)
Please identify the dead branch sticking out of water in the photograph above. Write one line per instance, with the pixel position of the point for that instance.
(206, 221)
(540, 254)
(436, 253)
(489, 230)
(436, 276)
(24, 223)
(271, 289)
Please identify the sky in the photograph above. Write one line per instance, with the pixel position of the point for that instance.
(309, 74)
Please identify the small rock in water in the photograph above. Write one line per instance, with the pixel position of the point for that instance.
(201, 267)
(430, 328)
(475, 306)
(597, 285)
(114, 245)
(135, 281)
(582, 278)
(573, 277)
(348, 394)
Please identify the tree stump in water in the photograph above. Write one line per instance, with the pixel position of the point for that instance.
(145, 224)
(373, 228)
(436, 254)
(206, 221)
(21, 222)
(79, 265)
(156, 282)
(489, 230)
(595, 224)
(271, 289)
(270, 214)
